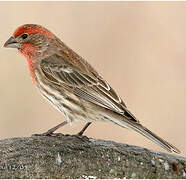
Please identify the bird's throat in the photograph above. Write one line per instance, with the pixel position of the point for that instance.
(28, 51)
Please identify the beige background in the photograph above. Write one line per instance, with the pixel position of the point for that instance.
(139, 48)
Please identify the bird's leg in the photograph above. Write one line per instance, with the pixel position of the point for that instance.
(50, 131)
(84, 128)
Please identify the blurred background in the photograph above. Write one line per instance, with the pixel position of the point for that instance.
(138, 47)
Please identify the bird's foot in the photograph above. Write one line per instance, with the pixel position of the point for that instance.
(43, 134)
(47, 134)
(80, 136)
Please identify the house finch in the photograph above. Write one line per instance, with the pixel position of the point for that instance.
(71, 84)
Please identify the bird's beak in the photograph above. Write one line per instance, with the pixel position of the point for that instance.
(12, 43)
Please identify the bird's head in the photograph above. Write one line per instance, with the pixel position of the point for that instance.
(31, 40)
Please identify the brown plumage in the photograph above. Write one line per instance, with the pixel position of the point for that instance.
(71, 84)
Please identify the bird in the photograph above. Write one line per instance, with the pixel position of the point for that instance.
(72, 85)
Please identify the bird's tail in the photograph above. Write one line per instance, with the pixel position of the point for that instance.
(147, 133)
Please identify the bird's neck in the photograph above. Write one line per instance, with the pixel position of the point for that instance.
(28, 52)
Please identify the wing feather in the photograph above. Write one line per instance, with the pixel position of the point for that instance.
(88, 86)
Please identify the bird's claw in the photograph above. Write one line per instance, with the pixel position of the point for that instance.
(43, 134)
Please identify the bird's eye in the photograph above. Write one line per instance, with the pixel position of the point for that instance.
(24, 36)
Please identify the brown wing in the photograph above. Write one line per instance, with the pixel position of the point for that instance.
(89, 86)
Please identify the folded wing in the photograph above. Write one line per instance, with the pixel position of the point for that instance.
(86, 85)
